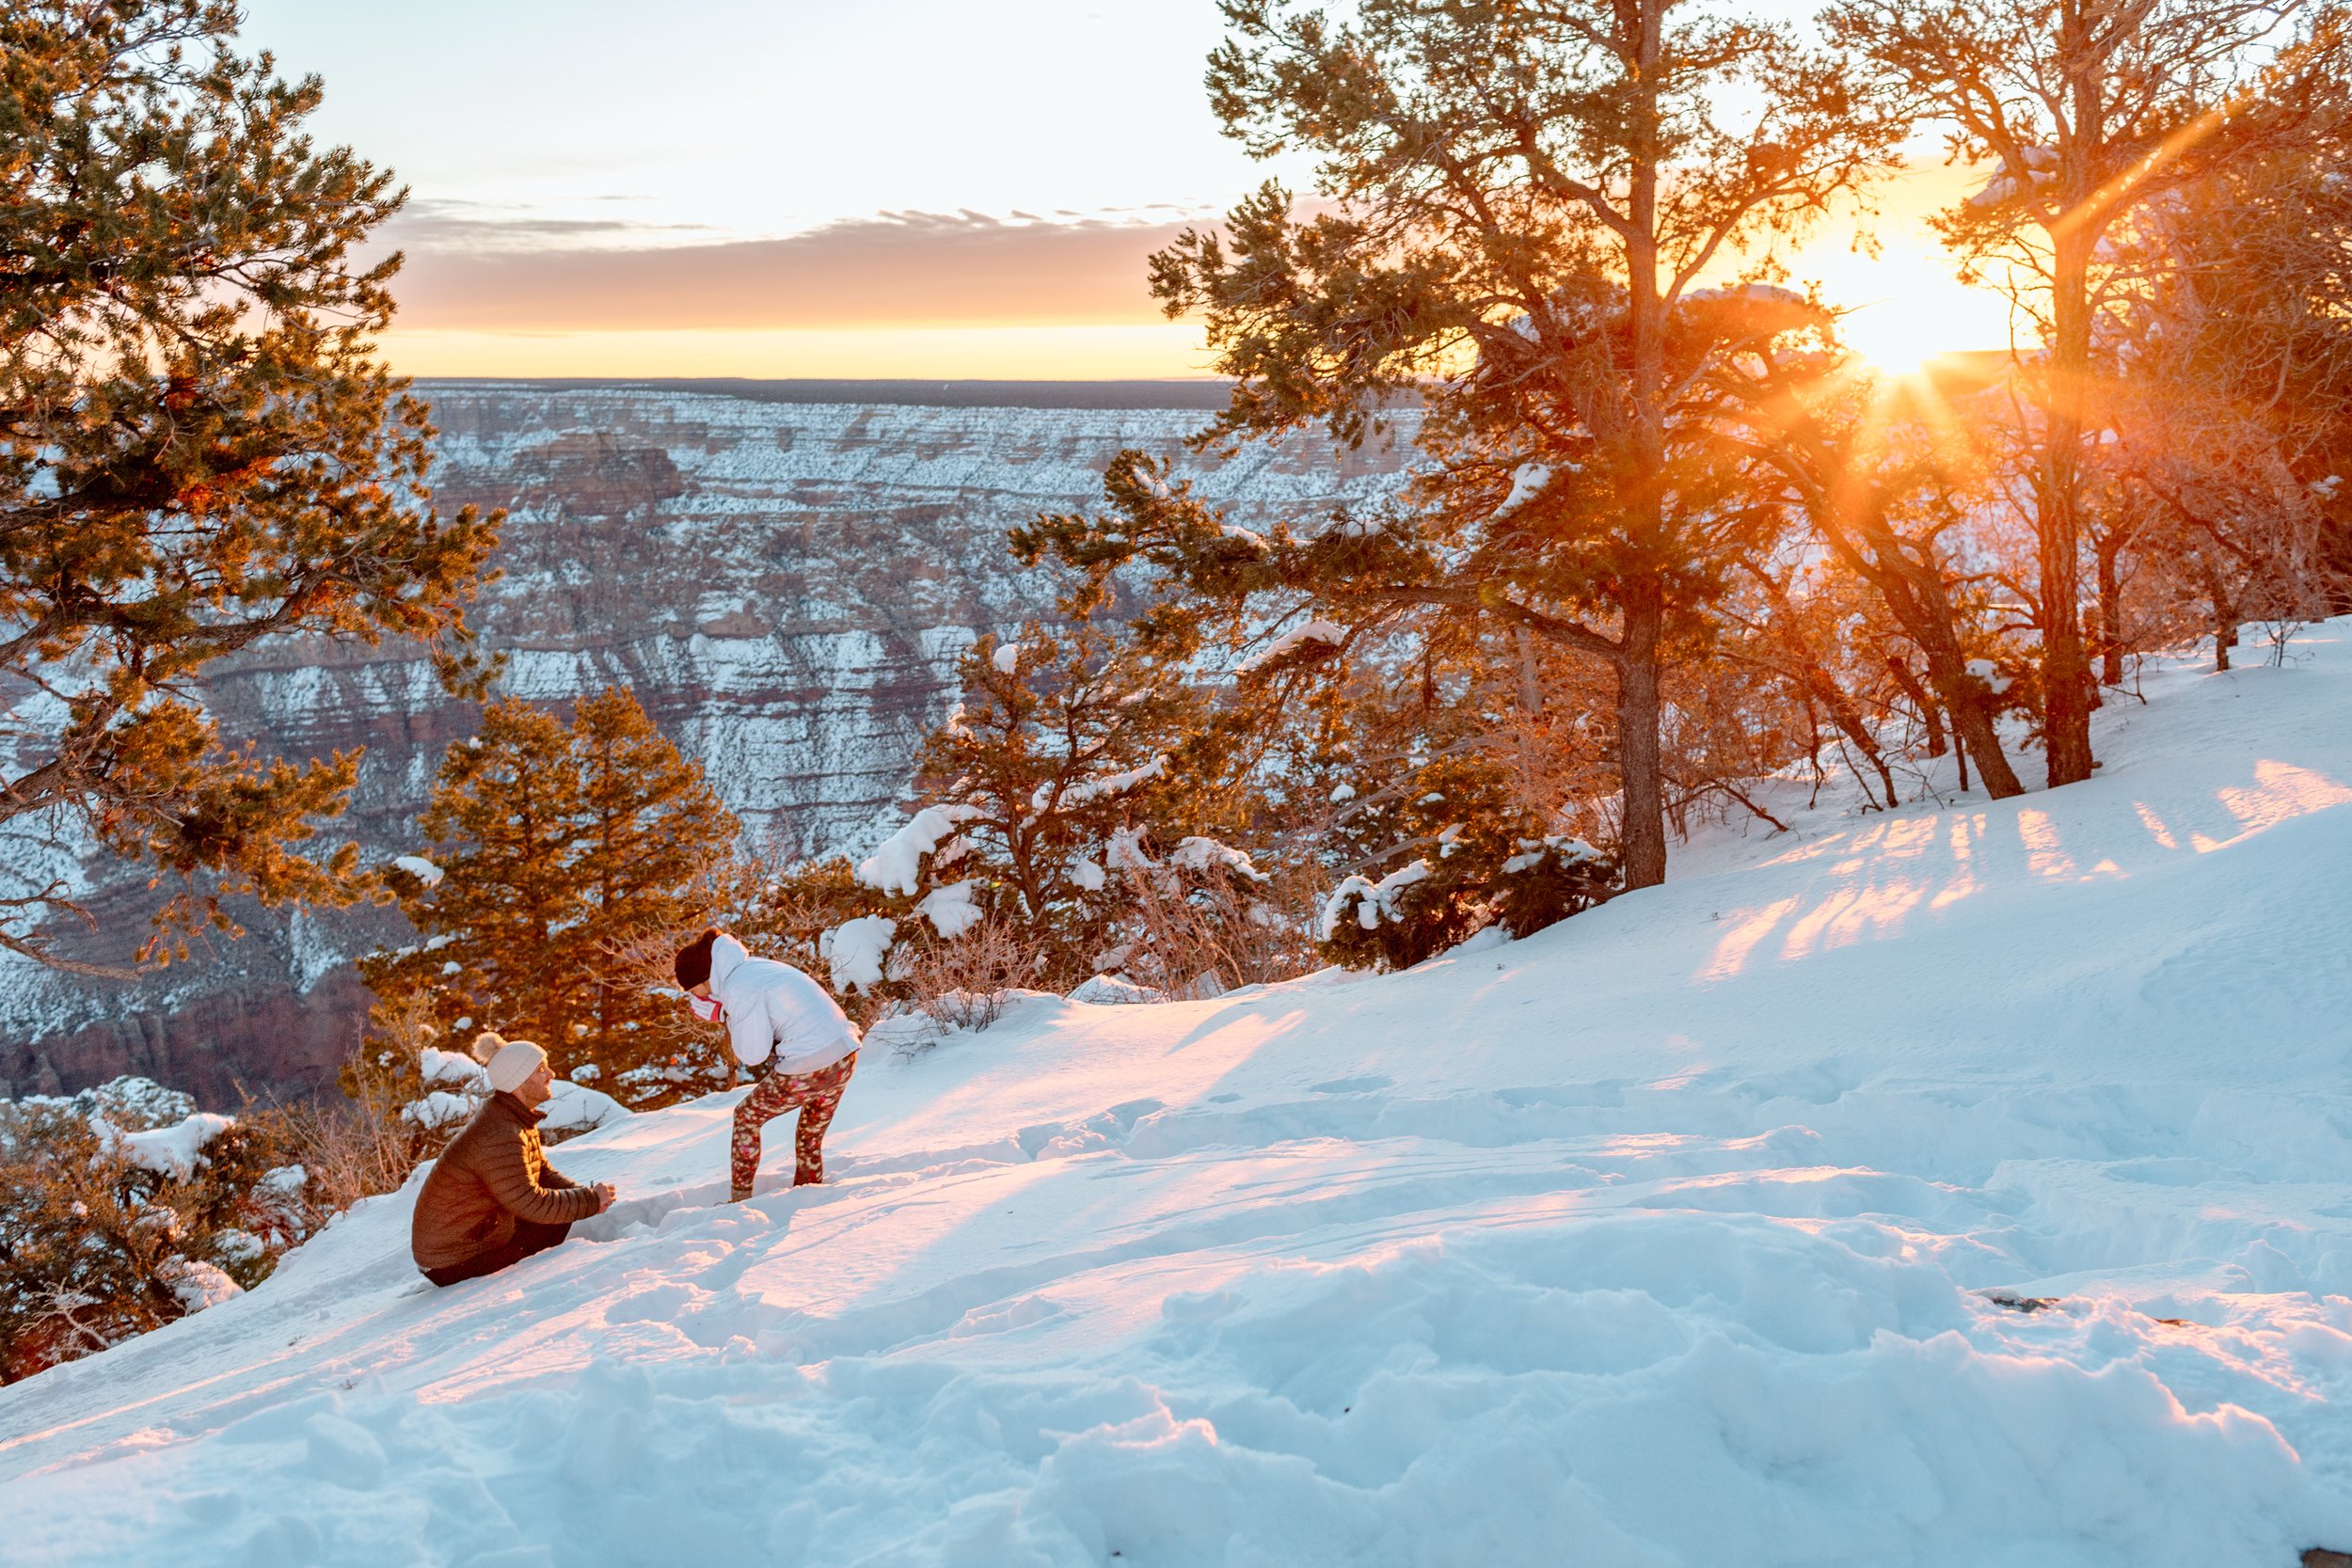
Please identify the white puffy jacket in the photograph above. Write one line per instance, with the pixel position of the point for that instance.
(773, 1009)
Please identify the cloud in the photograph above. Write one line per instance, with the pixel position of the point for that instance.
(896, 269)
(437, 228)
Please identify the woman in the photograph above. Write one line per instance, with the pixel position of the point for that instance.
(776, 1017)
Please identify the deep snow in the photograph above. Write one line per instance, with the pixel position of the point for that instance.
(1670, 1235)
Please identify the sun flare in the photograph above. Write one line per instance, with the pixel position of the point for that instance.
(1896, 337)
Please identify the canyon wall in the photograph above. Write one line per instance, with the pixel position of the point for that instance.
(784, 573)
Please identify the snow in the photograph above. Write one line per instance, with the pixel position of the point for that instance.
(1200, 854)
(440, 1108)
(285, 1182)
(1532, 852)
(1086, 791)
(856, 948)
(176, 1150)
(198, 1284)
(897, 866)
(420, 868)
(1528, 481)
(1374, 901)
(573, 1107)
(1759, 293)
(2041, 168)
(1087, 873)
(1123, 850)
(1989, 672)
(1008, 657)
(449, 1067)
(950, 908)
(238, 1247)
(1114, 991)
(1317, 630)
(1680, 1232)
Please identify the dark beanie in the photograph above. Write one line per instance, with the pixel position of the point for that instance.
(693, 961)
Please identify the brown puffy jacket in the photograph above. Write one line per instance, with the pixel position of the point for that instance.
(492, 1174)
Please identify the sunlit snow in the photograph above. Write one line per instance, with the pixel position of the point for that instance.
(1964, 1185)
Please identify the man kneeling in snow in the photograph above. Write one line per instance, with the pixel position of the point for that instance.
(492, 1197)
(778, 1016)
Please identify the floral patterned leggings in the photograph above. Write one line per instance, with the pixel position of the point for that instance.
(815, 1095)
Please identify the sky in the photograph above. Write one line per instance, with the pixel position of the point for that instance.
(897, 188)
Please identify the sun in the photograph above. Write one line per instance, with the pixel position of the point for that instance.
(1897, 337)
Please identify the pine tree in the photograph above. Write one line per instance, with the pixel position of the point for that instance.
(1071, 751)
(197, 449)
(2095, 112)
(1520, 201)
(557, 857)
(1077, 813)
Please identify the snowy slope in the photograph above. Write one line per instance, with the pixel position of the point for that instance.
(1667, 1236)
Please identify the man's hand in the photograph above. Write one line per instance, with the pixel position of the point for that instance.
(604, 1196)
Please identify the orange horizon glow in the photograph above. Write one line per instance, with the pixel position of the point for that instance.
(1069, 352)
(972, 298)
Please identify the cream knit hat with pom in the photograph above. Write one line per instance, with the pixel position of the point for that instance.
(509, 1061)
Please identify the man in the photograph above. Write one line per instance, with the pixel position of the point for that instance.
(492, 1197)
(777, 1017)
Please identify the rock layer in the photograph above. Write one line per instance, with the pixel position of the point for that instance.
(786, 584)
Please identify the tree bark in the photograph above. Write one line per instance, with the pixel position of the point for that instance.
(2110, 546)
(2066, 678)
(1972, 720)
(1640, 771)
(2224, 614)
(2066, 682)
(1931, 710)
(1641, 774)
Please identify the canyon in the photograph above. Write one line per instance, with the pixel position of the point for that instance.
(784, 573)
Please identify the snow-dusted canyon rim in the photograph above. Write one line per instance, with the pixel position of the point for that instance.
(786, 584)
(1966, 1186)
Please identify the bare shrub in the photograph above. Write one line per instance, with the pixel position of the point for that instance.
(352, 1151)
(964, 982)
(1194, 938)
(680, 1054)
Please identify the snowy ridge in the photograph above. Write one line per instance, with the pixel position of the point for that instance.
(1678, 1233)
(786, 587)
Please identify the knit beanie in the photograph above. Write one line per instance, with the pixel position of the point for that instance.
(693, 961)
(509, 1061)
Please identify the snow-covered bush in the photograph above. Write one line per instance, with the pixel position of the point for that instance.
(1066, 824)
(123, 1208)
(1449, 853)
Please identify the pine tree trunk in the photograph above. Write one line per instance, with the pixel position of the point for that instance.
(2111, 610)
(1531, 685)
(1640, 772)
(2224, 617)
(1931, 710)
(1983, 742)
(2066, 680)
(1915, 592)
(2067, 687)
(1972, 721)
